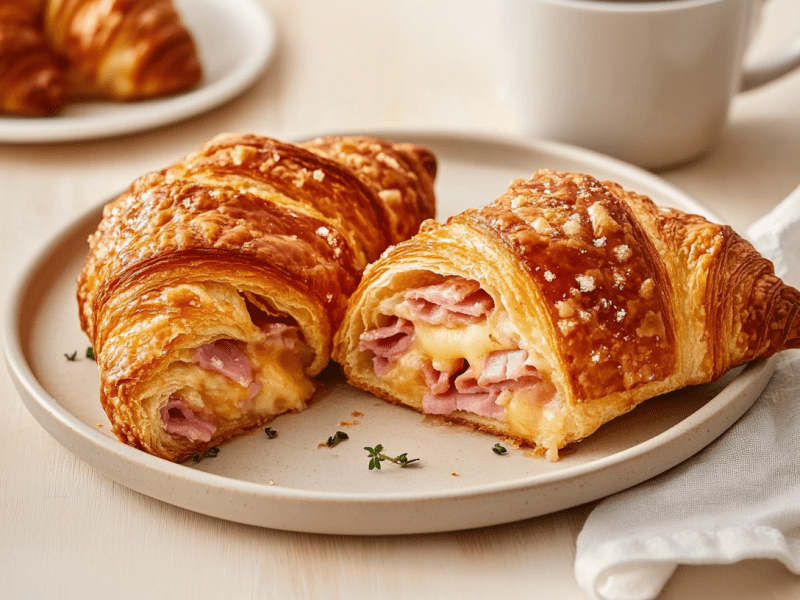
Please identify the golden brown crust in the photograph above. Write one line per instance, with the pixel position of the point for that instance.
(616, 299)
(123, 49)
(182, 256)
(32, 76)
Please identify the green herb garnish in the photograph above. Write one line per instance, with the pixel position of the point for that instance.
(271, 433)
(498, 449)
(71, 357)
(210, 453)
(377, 456)
(339, 436)
(90, 352)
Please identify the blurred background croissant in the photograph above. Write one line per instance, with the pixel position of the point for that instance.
(53, 52)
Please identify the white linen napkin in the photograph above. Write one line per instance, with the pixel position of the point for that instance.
(739, 498)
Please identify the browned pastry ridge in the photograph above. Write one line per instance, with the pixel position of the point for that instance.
(559, 306)
(32, 77)
(123, 49)
(212, 289)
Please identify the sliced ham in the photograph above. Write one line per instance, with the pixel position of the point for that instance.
(181, 420)
(387, 343)
(503, 370)
(438, 381)
(484, 403)
(455, 301)
(226, 358)
(477, 390)
(281, 334)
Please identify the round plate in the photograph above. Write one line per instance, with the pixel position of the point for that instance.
(235, 40)
(295, 481)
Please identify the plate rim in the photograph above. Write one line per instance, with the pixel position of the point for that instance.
(70, 431)
(252, 15)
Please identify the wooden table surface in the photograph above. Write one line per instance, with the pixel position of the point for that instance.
(68, 532)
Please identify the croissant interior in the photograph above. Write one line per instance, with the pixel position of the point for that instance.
(561, 305)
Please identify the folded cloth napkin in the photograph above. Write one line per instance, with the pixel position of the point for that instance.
(739, 498)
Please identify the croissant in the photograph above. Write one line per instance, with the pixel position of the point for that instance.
(212, 289)
(123, 49)
(32, 77)
(561, 305)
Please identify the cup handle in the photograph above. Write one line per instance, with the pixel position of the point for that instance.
(771, 68)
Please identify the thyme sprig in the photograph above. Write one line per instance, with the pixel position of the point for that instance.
(271, 433)
(498, 449)
(72, 357)
(377, 456)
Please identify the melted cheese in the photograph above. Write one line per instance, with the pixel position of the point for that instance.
(278, 371)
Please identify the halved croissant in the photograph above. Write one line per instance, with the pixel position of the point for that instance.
(212, 289)
(561, 305)
(123, 49)
(32, 77)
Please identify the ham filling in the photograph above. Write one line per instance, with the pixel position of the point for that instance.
(452, 384)
(181, 420)
(388, 344)
(477, 390)
(227, 358)
(455, 302)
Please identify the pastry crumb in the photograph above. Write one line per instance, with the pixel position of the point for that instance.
(454, 473)
(347, 423)
(356, 413)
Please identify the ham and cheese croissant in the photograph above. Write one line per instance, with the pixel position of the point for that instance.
(123, 49)
(213, 288)
(561, 305)
(32, 76)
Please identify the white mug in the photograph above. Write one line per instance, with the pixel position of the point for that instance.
(649, 82)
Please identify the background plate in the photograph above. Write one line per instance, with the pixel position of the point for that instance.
(293, 483)
(235, 40)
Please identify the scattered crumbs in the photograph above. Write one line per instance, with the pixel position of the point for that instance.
(271, 482)
(318, 175)
(586, 282)
(100, 425)
(356, 413)
(347, 423)
(549, 276)
(454, 474)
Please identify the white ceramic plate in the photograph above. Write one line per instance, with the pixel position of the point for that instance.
(235, 40)
(290, 482)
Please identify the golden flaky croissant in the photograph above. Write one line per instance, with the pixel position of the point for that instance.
(561, 305)
(32, 76)
(213, 288)
(123, 49)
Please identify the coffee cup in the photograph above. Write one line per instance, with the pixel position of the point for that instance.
(649, 82)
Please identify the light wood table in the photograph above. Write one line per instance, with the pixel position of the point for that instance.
(68, 532)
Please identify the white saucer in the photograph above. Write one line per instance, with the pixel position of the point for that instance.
(292, 483)
(235, 40)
